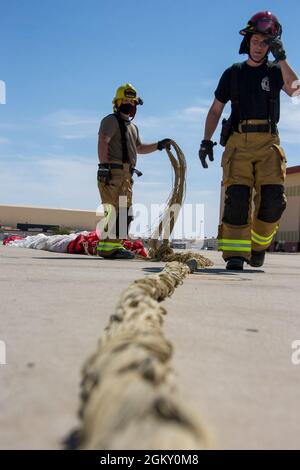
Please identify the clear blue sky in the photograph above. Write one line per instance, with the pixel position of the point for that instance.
(62, 60)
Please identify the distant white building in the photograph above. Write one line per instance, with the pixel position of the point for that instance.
(76, 219)
(187, 244)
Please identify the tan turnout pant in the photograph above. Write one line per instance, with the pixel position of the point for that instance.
(251, 161)
(116, 198)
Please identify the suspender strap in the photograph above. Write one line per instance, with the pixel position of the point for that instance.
(123, 130)
(235, 95)
(272, 100)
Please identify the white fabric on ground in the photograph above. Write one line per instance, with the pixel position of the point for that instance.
(56, 243)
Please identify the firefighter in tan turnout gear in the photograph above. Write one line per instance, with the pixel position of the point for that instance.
(253, 157)
(118, 146)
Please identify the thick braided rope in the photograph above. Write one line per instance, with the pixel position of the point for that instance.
(128, 394)
(159, 246)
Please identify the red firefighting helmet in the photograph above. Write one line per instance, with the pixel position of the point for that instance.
(263, 22)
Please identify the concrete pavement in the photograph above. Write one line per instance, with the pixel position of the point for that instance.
(232, 334)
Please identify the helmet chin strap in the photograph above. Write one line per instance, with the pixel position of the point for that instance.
(132, 115)
(264, 59)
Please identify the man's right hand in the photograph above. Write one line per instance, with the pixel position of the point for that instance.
(206, 149)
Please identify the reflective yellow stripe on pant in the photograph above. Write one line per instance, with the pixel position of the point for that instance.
(234, 245)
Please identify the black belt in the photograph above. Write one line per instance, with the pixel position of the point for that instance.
(120, 166)
(113, 166)
(255, 128)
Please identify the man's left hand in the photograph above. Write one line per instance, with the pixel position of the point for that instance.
(164, 144)
(277, 49)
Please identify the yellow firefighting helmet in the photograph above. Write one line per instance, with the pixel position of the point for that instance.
(126, 91)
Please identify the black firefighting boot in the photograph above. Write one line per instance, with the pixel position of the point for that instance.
(235, 263)
(257, 258)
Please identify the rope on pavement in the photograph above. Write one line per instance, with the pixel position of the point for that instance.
(159, 246)
(128, 393)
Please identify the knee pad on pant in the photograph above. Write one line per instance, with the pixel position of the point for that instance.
(237, 204)
(272, 203)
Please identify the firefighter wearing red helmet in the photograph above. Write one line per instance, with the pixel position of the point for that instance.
(254, 163)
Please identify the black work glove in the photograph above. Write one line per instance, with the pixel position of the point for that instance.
(277, 49)
(164, 144)
(206, 149)
(103, 174)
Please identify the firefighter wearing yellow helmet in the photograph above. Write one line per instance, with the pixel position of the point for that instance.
(118, 145)
(126, 92)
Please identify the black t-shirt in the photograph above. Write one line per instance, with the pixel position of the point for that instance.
(254, 90)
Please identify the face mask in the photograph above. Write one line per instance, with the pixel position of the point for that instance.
(126, 108)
